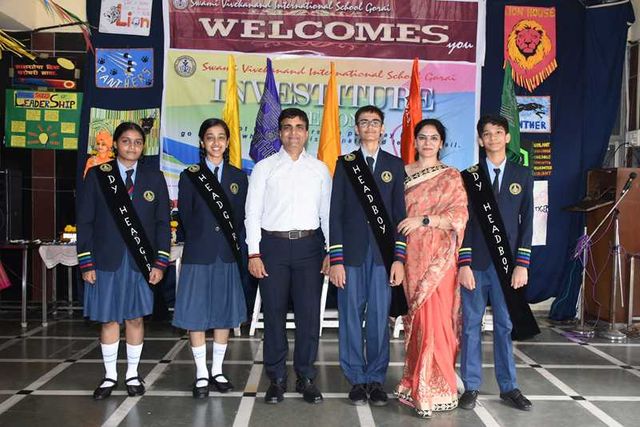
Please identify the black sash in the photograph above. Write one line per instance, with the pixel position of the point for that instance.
(215, 197)
(486, 210)
(382, 228)
(125, 216)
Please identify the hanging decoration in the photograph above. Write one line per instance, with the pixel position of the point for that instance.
(530, 44)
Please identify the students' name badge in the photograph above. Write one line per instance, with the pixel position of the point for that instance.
(234, 188)
(515, 188)
(386, 176)
(194, 168)
(149, 196)
(350, 157)
(106, 167)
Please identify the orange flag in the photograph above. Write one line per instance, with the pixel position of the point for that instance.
(329, 147)
(412, 115)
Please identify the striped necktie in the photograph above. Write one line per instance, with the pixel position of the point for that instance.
(128, 183)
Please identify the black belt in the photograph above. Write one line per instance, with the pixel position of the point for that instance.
(291, 235)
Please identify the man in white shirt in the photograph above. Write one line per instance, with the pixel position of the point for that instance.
(287, 205)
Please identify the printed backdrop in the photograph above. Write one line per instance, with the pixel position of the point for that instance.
(363, 42)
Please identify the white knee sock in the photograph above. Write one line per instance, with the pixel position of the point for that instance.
(200, 357)
(133, 359)
(110, 358)
(218, 357)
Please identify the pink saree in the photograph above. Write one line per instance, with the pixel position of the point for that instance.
(432, 322)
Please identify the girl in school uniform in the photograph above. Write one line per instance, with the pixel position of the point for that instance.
(123, 249)
(210, 294)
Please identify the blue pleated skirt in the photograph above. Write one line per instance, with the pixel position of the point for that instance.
(209, 296)
(118, 295)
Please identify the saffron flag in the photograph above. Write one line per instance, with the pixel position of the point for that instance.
(509, 110)
(231, 115)
(266, 137)
(412, 115)
(329, 146)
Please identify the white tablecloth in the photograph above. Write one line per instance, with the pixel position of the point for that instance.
(53, 255)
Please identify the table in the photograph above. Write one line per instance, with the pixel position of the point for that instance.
(24, 247)
(66, 254)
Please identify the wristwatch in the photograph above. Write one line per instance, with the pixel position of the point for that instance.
(425, 220)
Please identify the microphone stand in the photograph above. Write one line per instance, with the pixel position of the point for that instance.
(611, 333)
(582, 330)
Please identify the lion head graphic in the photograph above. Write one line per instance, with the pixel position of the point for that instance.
(528, 44)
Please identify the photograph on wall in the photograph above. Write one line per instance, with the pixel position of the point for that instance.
(124, 68)
(130, 17)
(42, 120)
(103, 123)
(535, 114)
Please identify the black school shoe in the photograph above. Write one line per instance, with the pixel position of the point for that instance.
(104, 392)
(275, 392)
(517, 399)
(200, 392)
(220, 386)
(468, 399)
(377, 395)
(358, 394)
(135, 390)
(308, 389)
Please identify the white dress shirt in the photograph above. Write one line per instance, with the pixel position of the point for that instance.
(123, 171)
(366, 154)
(287, 195)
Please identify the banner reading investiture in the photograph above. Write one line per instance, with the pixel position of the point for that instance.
(196, 86)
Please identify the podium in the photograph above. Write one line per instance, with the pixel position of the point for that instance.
(603, 188)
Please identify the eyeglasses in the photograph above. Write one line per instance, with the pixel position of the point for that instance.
(375, 123)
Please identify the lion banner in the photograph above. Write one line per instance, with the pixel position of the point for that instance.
(530, 43)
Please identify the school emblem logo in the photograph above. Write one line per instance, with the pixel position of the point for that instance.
(515, 188)
(386, 176)
(180, 4)
(472, 168)
(234, 188)
(185, 66)
(106, 167)
(350, 157)
(149, 196)
(194, 168)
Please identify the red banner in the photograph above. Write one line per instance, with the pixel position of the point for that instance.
(530, 43)
(401, 29)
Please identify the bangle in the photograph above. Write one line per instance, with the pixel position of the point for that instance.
(254, 256)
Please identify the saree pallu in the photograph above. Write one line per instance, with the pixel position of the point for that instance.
(433, 320)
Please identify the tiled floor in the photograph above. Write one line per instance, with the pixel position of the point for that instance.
(47, 376)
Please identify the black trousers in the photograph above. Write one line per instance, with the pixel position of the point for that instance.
(293, 267)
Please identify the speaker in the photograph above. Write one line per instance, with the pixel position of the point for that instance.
(11, 226)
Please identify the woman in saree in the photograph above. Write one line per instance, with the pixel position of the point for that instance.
(436, 217)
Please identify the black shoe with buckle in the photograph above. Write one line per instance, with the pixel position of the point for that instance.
(200, 392)
(468, 399)
(135, 390)
(222, 387)
(517, 399)
(104, 392)
(358, 394)
(275, 392)
(377, 395)
(308, 389)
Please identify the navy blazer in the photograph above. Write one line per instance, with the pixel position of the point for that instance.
(100, 245)
(349, 233)
(204, 239)
(516, 211)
